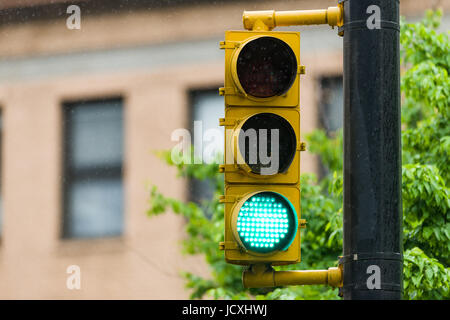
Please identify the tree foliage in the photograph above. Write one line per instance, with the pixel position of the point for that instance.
(425, 58)
(425, 87)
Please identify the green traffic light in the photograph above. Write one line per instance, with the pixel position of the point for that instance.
(267, 222)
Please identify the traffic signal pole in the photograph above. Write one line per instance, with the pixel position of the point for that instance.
(372, 154)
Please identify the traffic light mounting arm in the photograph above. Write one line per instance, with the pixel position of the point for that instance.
(260, 276)
(269, 19)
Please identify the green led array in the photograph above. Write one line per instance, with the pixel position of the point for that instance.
(265, 222)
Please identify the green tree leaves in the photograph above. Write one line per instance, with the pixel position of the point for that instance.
(426, 135)
(425, 278)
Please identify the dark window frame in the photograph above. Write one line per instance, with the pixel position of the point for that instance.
(71, 175)
(326, 82)
(193, 95)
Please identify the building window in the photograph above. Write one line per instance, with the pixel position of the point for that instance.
(93, 186)
(207, 106)
(331, 103)
(331, 110)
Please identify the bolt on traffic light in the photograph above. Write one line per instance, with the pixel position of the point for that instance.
(262, 147)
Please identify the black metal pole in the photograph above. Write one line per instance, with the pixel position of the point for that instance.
(372, 154)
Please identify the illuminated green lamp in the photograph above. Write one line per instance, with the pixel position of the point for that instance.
(266, 222)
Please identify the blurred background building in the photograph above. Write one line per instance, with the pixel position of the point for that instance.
(82, 113)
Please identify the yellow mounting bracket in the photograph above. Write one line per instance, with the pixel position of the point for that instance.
(262, 275)
(269, 19)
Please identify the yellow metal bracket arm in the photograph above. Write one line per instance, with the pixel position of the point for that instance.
(269, 19)
(261, 275)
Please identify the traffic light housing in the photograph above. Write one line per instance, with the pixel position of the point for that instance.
(262, 147)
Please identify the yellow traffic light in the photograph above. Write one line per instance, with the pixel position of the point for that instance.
(262, 147)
